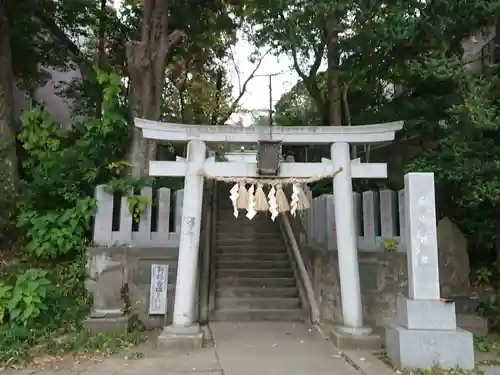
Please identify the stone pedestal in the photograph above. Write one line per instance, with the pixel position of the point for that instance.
(175, 337)
(106, 279)
(347, 338)
(108, 322)
(425, 334)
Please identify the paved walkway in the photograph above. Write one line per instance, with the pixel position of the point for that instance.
(274, 348)
(240, 349)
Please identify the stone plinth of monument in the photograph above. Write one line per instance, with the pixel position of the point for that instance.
(425, 333)
(106, 281)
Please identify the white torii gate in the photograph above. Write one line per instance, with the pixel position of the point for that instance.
(196, 162)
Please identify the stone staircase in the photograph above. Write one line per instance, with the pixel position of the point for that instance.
(254, 280)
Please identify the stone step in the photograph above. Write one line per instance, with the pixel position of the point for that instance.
(242, 256)
(245, 315)
(257, 303)
(249, 249)
(259, 220)
(473, 323)
(247, 240)
(242, 221)
(237, 233)
(257, 292)
(254, 282)
(255, 273)
(257, 264)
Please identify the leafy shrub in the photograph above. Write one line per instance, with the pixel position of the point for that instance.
(28, 296)
(5, 295)
(23, 303)
(42, 295)
(55, 234)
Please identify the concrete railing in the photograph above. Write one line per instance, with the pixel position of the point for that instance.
(114, 223)
(379, 215)
(302, 274)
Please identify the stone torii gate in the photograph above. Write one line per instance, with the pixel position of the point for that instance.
(184, 326)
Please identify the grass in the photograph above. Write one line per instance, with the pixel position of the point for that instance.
(58, 333)
(21, 346)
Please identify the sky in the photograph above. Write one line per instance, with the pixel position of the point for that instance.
(256, 96)
(257, 93)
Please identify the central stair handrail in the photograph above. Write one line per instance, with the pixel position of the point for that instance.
(303, 274)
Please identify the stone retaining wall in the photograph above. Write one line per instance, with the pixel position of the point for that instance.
(383, 276)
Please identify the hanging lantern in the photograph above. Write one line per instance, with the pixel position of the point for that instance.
(268, 158)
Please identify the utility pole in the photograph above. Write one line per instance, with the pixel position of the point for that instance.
(270, 77)
(270, 100)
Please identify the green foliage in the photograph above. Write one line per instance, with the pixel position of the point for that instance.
(5, 295)
(61, 169)
(23, 302)
(137, 206)
(124, 185)
(56, 233)
(40, 136)
(465, 159)
(43, 297)
(8, 205)
(390, 244)
(28, 295)
(57, 330)
(484, 275)
(490, 309)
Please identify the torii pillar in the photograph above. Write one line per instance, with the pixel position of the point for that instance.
(347, 237)
(185, 331)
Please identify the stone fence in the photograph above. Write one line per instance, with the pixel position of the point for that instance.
(114, 224)
(379, 215)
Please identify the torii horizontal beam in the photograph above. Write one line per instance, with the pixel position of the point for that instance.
(253, 134)
(249, 170)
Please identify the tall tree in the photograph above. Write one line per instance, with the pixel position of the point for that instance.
(8, 158)
(164, 25)
(146, 64)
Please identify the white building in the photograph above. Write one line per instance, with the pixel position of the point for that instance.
(49, 97)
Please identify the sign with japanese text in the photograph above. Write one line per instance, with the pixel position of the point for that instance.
(158, 289)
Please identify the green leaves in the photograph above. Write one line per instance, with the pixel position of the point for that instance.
(24, 302)
(5, 296)
(62, 168)
(53, 234)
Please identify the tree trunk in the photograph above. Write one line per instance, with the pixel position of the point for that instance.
(101, 54)
(8, 156)
(333, 58)
(496, 46)
(146, 61)
(497, 240)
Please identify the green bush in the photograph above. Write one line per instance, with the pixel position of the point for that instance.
(42, 294)
(54, 234)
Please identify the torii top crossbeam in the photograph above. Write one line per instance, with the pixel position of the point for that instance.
(253, 134)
